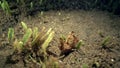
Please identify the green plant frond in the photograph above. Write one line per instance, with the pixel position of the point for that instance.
(18, 45)
(15, 44)
(31, 5)
(3, 6)
(105, 40)
(41, 13)
(6, 4)
(47, 41)
(35, 32)
(41, 1)
(34, 60)
(43, 65)
(17, 1)
(63, 37)
(84, 66)
(8, 11)
(80, 43)
(24, 25)
(48, 32)
(27, 36)
(38, 37)
(10, 34)
(56, 65)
